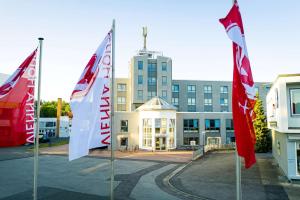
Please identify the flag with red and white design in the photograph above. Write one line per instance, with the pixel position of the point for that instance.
(91, 103)
(17, 105)
(243, 89)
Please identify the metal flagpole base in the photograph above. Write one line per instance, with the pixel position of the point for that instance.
(238, 176)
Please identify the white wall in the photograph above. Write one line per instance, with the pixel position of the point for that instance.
(280, 154)
(281, 113)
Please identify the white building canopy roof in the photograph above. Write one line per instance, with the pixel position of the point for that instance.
(156, 103)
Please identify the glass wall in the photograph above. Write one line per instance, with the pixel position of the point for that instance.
(147, 132)
(152, 78)
(171, 133)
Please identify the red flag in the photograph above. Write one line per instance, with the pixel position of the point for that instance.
(243, 91)
(17, 105)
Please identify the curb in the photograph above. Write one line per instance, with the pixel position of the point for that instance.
(183, 194)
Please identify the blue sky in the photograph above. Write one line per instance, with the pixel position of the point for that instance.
(187, 31)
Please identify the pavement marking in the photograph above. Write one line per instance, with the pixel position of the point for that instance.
(181, 193)
(147, 189)
(53, 152)
(127, 156)
(94, 168)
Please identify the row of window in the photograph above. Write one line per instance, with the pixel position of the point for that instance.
(207, 88)
(192, 125)
(152, 80)
(152, 65)
(121, 100)
(189, 125)
(207, 104)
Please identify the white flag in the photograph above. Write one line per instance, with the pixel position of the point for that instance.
(91, 103)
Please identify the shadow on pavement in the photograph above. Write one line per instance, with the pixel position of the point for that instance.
(46, 193)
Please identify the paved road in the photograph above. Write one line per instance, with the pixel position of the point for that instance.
(169, 156)
(9, 153)
(85, 178)
(213, 177)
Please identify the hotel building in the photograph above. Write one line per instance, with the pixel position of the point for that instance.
(156, 112)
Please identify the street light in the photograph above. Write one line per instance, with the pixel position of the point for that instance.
(203, 141)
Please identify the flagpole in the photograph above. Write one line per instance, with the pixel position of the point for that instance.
(36, 149)
(238, 175)
(238, 167)
(112, 114)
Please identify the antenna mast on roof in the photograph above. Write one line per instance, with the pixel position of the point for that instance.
(145, 36)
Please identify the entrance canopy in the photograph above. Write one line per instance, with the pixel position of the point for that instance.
(156, 103)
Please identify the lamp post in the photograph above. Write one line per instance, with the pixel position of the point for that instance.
(203, 141)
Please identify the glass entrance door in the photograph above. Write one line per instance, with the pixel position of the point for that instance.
(160, 143)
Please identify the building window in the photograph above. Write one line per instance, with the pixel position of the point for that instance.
(268, 89)
(295, 101)
(213, 140)
(124, 126)
(224, 89)
(224, 109)
(121, 87)
(212, 124)
(124, 141)
(208, 105)
(164, 80)
(276, 98)
(207, 89)
(191, 108)
(140, 94)
(191, 125)
(223, 101)
(191, 88)
(175, 101)
(121, 100)
(151, 94)
(151, 80)
(50, 124)
(161, 126)
(163, 66)
(140, 65)
(175, 88)
(207, 102)
(191, 101)
(140, 79)
(164, 94)
(147, 132)
(229, 124)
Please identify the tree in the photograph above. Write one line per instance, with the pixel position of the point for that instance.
(263, 138)
(49, 109)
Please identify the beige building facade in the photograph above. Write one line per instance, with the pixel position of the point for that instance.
(183, 113)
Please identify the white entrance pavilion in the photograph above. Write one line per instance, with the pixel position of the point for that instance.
(157, 125)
